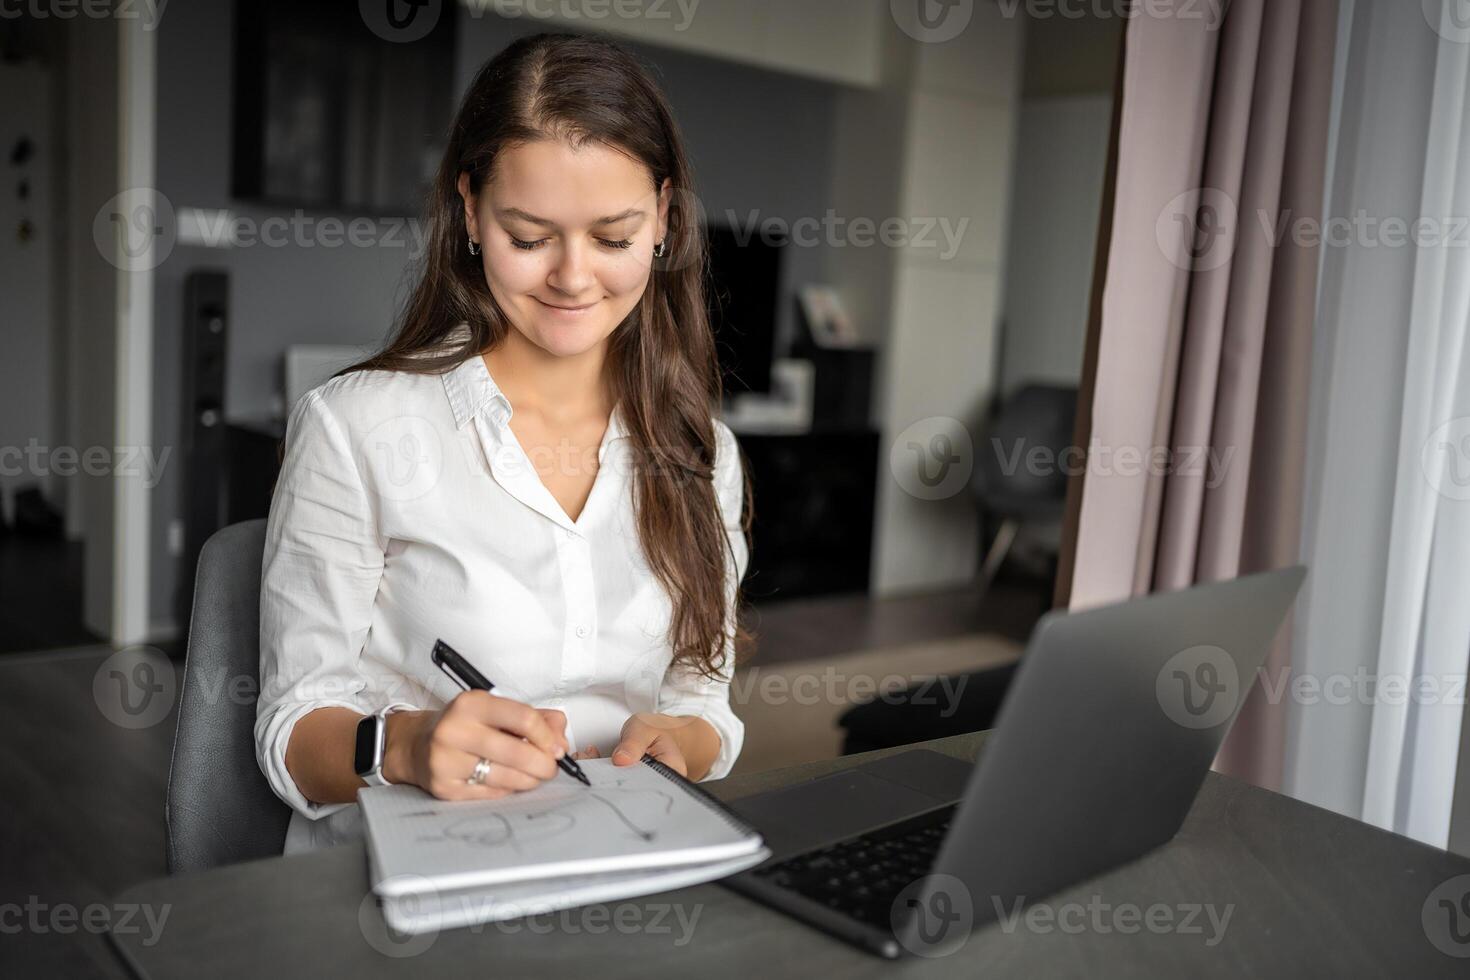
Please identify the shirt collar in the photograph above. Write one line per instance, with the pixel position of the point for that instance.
(470, 390)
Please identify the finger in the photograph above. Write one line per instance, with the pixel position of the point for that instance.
(557, 719)
(590, 752)
(513, 716)
(505, 777)
(448, 781)
(481, 740)
(634, 743)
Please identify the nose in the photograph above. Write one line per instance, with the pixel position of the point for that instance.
(572, 273)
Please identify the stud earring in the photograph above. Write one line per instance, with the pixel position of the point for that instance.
(658, 250)
(474, 247)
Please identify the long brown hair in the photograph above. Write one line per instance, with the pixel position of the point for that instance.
(661, 358)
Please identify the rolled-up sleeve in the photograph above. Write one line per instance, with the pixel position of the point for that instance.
(684, 692)
(319, 578)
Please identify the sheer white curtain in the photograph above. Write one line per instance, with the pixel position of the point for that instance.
(1383, 629)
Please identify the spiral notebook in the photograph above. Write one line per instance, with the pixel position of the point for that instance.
(636, 830)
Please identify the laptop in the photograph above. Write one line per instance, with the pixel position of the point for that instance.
(1101, 744)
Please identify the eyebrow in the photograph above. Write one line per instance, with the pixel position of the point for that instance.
(533, 219)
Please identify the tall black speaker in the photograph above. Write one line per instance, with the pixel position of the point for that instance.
(206, 332)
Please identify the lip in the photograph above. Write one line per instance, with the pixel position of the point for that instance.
(568, 310)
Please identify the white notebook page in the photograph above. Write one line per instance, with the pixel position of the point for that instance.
(632, 817)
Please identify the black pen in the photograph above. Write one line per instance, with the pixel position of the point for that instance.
(463, 673)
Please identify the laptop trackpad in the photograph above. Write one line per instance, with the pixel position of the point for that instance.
(798, 818)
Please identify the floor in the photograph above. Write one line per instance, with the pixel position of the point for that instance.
(94, 789)
(92, 819)
(809, 629)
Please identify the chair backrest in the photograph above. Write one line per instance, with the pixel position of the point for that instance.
(220, 808)
(1037, 416)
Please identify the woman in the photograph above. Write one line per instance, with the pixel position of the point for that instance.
(530, 471)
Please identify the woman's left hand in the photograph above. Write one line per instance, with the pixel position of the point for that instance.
(655, 734)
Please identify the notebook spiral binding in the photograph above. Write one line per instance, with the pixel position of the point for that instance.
(720, 808)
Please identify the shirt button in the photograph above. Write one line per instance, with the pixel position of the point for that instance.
(582, 631)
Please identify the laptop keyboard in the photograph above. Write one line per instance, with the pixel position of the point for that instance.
(862, 877)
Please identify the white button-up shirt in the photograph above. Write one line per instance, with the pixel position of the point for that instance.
(406, 511)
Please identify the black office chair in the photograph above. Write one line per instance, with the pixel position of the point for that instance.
(1004, 487)
(220, 809)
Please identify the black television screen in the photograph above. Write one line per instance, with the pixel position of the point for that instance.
(333, 111)
(742, 291)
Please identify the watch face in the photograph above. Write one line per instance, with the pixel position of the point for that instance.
(365, 756)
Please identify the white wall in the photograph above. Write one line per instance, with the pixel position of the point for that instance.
(1061, 157)
(938, 358)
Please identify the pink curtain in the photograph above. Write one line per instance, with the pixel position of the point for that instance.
(1203, 343)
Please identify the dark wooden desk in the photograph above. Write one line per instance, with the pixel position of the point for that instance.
(1308, 894)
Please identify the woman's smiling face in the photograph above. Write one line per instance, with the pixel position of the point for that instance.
(566, 239)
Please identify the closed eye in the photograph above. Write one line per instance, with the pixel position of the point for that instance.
(533, 245)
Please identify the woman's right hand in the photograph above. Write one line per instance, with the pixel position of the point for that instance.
(437, 750)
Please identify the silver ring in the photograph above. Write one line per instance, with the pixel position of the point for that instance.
(482, 769)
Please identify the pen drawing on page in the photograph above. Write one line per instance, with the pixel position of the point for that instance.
(547, 816)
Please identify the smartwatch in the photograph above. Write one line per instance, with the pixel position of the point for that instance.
(372, 736)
